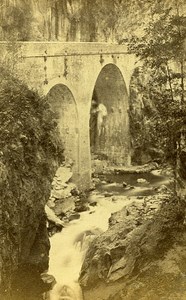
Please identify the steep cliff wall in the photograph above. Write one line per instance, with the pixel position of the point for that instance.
(30, 154)
(76, 20)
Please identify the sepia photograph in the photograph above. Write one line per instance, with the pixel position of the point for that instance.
(92, 149)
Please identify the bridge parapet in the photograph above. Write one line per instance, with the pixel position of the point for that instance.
(41, 49)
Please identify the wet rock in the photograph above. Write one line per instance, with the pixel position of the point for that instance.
(124, 184)
(139, 197)
(51, 202)
(92, 188)
(53, 228)
(163, 189)
(142, 180)
(64, 191)
(62, 206)
(107, 194)
(80, 205)
(95, 180)
(74, 191)
(48, 279)
(129, 187)
(74, 217)
(133, 210)
(113, 184)
(101, 177)
(103, 182)
(94, 203)
(109, 181)
(51, 216)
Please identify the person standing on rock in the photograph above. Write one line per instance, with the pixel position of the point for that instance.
(98, 115)
(101, 118)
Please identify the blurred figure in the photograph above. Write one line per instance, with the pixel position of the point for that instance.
(101, 117)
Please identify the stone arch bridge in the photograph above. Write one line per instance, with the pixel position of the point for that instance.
(78, 77)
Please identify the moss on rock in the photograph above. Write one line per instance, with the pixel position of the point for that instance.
(30, 153)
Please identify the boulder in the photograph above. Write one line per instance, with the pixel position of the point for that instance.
(64, 173)
(51, 216)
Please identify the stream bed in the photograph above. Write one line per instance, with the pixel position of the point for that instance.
(132, 184)
(68, 247)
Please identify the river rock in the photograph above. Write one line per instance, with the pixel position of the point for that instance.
(107, 194)
(124, 184)
(51, 216)
(96, 180)
(49, 279)
(80, 205)
(64, 173)
(163, 189)
(94, 203)
(129, 187)
(62, 206)
(142, 180)
(63, 192)
(74, 216)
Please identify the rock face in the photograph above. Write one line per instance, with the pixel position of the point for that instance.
(138, 237)
(30, 155)
(73, 20)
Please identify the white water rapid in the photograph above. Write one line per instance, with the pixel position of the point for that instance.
(68, 248)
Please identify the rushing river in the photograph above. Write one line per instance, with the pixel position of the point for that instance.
(68, 248)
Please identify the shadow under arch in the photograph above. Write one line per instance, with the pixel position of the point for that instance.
(64, 106)
(109, 121)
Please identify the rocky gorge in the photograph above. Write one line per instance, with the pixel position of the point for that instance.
(118, 260)
(124, 238)
(142, 254)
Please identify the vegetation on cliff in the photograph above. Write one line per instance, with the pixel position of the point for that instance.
(30, 153)
(161, 82)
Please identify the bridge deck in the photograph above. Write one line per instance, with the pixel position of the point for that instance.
(50, 49)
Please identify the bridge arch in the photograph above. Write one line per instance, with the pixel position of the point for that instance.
(64, 106)
(109, 122)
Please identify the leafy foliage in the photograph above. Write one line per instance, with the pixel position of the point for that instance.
(162, 52)
(27, 124)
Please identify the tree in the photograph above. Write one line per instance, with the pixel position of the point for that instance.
(162, 52)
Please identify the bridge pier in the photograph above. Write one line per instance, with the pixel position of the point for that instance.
(84, 178)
